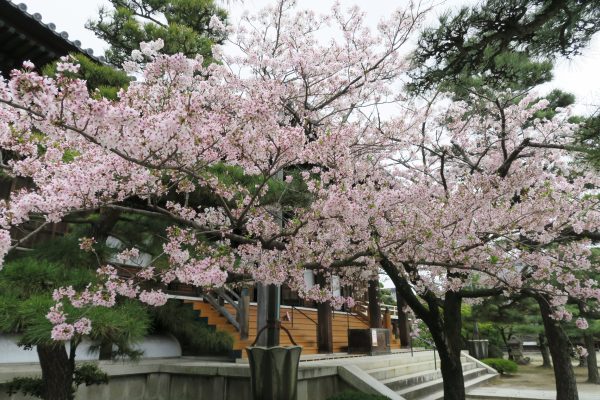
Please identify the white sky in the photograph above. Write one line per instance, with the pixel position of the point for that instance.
(578, 76)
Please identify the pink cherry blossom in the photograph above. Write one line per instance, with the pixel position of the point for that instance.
(581, 323)
(62, 332)
(153, 297)
(83, 326)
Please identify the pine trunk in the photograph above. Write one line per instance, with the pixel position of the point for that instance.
(558, 342)
(592, 362)
(57, 372)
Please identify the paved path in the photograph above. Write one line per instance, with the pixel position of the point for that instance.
(495, 393)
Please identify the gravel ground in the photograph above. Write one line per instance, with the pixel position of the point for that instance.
(533, 376)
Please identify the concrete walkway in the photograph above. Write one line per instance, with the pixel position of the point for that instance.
(494, 393)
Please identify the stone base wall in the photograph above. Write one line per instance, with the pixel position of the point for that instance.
(186, 380)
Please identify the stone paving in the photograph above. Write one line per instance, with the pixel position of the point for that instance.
(492, 393)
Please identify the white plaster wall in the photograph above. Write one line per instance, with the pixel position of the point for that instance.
(11, 353)
(153, 346)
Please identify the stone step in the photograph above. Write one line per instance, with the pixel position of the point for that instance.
(401, 359)
(400, 382)
(430, 388)
(469, 384)
(393, 371)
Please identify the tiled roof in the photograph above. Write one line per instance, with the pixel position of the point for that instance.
(24, 36)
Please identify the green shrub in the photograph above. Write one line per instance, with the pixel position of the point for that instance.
(349, 395)
(501, 365)
(495, 351)
(196, 339)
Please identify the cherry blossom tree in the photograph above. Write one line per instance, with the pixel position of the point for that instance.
(491, 204)
(452, 206)
(286, 102)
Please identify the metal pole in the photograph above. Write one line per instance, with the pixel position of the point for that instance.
(273, 303)
(261, 312)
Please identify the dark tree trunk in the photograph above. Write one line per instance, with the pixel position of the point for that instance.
(106, 351)
(558, 341)
(57, 372)
(374, 309)
(592, 362)
(448, 342)
(445, 330)
(324, 321)
(546, 363)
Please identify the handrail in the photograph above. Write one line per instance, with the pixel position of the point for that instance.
(224, 312)
(359, 314)
(232, 293)
(433, 346)
(393, 310)
(221, 293)
(301, 312)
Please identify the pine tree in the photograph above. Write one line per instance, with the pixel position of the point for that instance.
(184, 25)
(26, 287)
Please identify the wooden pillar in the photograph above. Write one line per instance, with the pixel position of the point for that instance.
(324, 322)
(324, 328)
(387, 319)
(403, 323)
(374, 309)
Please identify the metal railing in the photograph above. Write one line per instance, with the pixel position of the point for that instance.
(303, 313)
(220, 297)
(431, 344)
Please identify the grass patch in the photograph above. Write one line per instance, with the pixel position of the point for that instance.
(501, 365)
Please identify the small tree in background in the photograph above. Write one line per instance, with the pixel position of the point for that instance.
(27, 285)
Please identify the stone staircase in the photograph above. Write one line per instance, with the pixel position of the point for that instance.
(419, 377)
(301, 322)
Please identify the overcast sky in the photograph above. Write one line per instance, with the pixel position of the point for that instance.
(579, 75)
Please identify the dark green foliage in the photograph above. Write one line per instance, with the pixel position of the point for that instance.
(27, 386)
(195, 337)
(348, 395)
(182, 24)
(89, 374)
(499, 318)
(121, 325)
(494, 351)
(556, 98)
(27, 283)
(385, 296)
(589, 136)
(501, 365)
(105, 81)
(479, 40)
